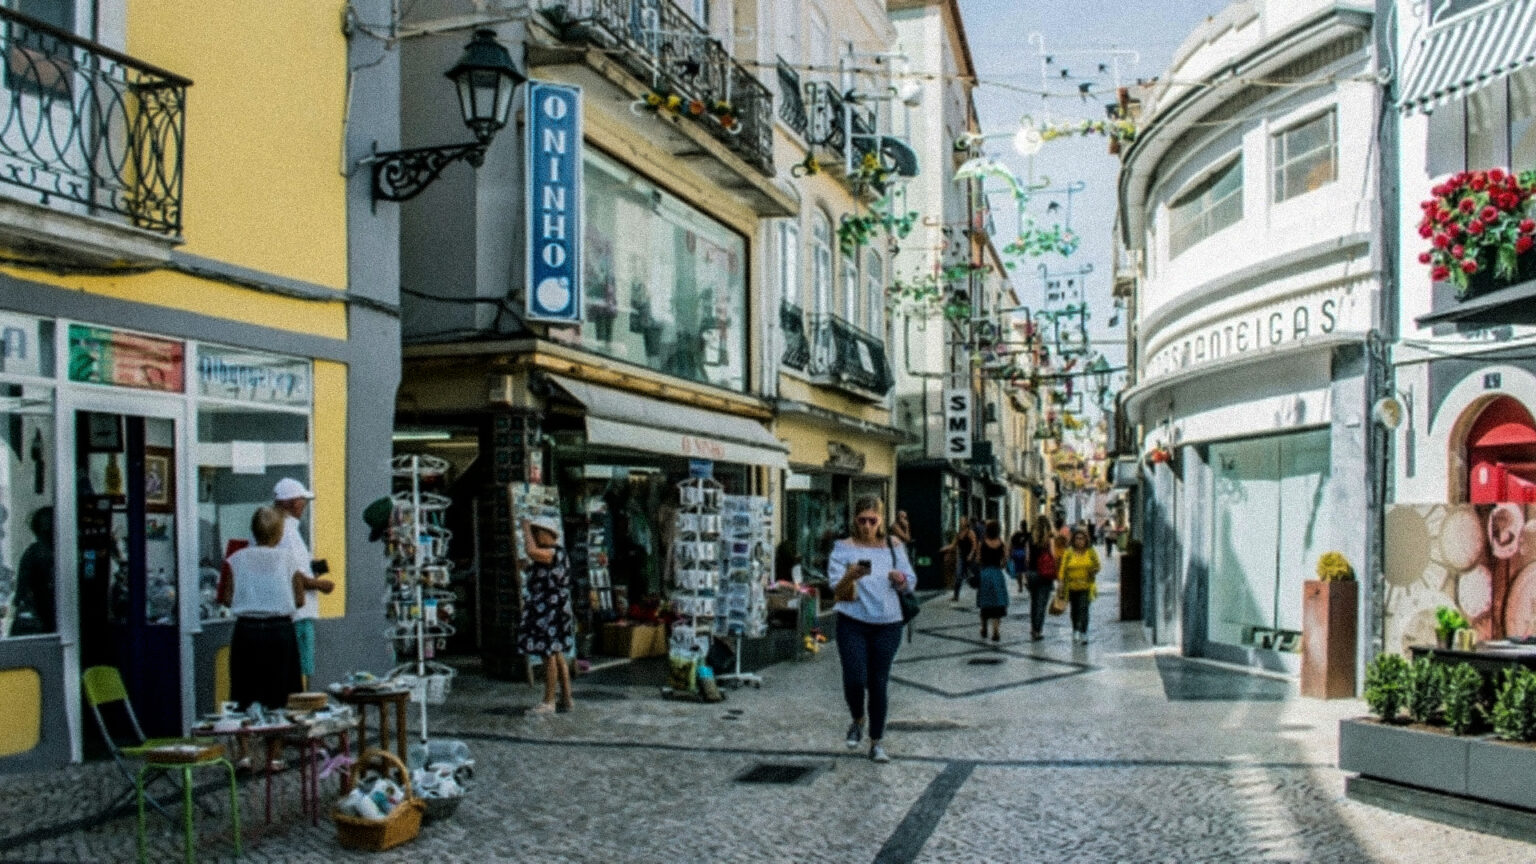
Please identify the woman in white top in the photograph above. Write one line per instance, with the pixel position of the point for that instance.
(867, 571)
(267, 590)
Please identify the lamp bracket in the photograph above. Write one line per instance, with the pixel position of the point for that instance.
(400, 175)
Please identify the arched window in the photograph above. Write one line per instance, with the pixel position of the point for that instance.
(1501, 454)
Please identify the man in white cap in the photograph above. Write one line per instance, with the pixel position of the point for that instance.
(291, 498)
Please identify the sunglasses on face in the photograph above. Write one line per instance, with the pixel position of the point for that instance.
(868, 520)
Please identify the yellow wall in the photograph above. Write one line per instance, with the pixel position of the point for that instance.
(798, 390)
(263, 186)
(21, 692)
(328, 522)
(807, 442)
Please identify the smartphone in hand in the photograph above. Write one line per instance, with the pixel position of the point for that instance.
(866, 564)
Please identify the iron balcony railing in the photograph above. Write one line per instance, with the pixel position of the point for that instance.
(845, 355)
(797, 347)
(91, 127)
(664, 47)
(843, 128)
(791, 103)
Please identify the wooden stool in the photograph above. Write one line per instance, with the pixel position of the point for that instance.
(380, 700)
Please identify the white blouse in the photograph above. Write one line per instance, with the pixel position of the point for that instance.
(264, 581)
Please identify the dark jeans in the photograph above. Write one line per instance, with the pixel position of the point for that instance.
(964, 573)
(1078, 600)
(867, 651)
(1040, 589)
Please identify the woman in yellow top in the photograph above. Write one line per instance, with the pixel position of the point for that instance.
(1078, 569)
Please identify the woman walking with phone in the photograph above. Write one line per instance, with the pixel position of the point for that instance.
(868, 572)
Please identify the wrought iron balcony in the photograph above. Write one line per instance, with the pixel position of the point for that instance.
(797, 348)
(791, 103)
(661, 45)
(89, 129)
(843, 354)
(845, 129)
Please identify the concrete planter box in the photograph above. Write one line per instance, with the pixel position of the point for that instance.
(1401, 754)
(1501, 771)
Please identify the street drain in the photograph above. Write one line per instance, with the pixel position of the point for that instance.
(776, 773)
(925, 725)
(984, 661)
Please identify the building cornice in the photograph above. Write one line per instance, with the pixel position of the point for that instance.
(1135, 398)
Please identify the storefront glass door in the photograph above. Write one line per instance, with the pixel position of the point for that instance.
(125, 533)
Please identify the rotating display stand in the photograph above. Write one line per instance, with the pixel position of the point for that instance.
(421, 600)
(746, 552)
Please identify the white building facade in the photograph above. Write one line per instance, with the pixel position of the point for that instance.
(1248, 194)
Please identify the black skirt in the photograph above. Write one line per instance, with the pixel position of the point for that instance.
(264, 662)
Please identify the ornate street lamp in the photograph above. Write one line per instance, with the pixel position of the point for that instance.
(485, 79)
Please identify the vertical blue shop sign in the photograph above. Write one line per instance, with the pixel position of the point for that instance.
(554, 202)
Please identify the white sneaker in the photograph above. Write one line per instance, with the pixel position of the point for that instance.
(877, 753)
(854, 736)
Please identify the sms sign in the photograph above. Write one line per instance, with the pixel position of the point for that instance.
(554, 202)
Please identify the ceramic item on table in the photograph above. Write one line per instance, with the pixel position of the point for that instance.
(227, 724)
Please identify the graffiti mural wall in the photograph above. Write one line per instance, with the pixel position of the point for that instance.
(1479, 558)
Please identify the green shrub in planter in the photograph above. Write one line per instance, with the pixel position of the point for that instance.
(1514, 706)
(1426, 685)
(1386, 686)
(1459, 691)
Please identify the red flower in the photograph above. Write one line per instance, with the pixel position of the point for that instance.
(1469, 266)
(1425, 231)
(1458, 251)
(1489, 213)
(1496, 174)
(1474, 227)
(1440, 274)
(1425, 257)
(1527, 226)
(1523, 243)
(1468, 205)
(1479, 182)
(1442, 241)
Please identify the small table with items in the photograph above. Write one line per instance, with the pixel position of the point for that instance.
(309, 738)
(272, 734)
(381, 699)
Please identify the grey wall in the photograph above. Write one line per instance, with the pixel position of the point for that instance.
(46, 657)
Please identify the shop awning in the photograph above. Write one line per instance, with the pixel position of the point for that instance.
(1468, 53)
(619, 419)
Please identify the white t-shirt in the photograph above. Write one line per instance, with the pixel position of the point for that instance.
(294, 543)
(263, 577)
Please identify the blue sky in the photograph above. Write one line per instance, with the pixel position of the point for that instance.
(1079, 35)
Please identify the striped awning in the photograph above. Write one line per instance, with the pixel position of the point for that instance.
(1465, 54)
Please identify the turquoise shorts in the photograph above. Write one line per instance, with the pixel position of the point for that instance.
(304, 629)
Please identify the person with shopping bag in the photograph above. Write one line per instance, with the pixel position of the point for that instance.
(1078, 572)
(1041, 580)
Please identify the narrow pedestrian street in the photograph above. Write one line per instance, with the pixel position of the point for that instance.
(1015, 751)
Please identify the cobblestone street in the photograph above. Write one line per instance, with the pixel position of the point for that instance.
(1109, 752)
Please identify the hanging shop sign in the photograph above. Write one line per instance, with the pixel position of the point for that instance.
(1265, 327)
(26, 345)
(841, 457)
(957, 423)
(99, 355)
(554, 216)
(246, 376)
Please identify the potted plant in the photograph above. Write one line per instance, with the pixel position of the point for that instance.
(1330, 610)
(1448, 619)
(1480, 230)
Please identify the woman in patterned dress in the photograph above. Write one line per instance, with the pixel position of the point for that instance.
(546, 626)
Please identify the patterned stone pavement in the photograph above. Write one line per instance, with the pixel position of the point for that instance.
(1053, 753)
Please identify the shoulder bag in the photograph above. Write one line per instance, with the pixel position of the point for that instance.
(909, 605)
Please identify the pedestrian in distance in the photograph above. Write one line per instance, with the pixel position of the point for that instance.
(901, 529)
(868, 572)
(1019, 557)
(1078, 571)
(1108, 533)
(965, 548)
(1042, 577)
(546, 626)
(992, 591)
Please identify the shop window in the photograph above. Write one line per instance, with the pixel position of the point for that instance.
(1271, 522)
(1213, 204)
(666, 284)
(253, 429)
(27, 470)
(1305, 157)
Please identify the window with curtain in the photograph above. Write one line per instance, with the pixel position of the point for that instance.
(789, 262)
(1305, 157)
(1213, 204)
(821, 262)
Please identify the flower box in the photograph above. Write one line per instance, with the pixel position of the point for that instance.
(1411, 755)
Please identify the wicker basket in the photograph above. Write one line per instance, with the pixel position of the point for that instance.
(307, 701)
(375, 835)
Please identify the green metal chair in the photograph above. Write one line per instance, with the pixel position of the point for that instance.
(104, 686)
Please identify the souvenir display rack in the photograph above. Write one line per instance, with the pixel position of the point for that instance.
(421, 598)
(599, 548)
(746, 551)
(696, 564)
